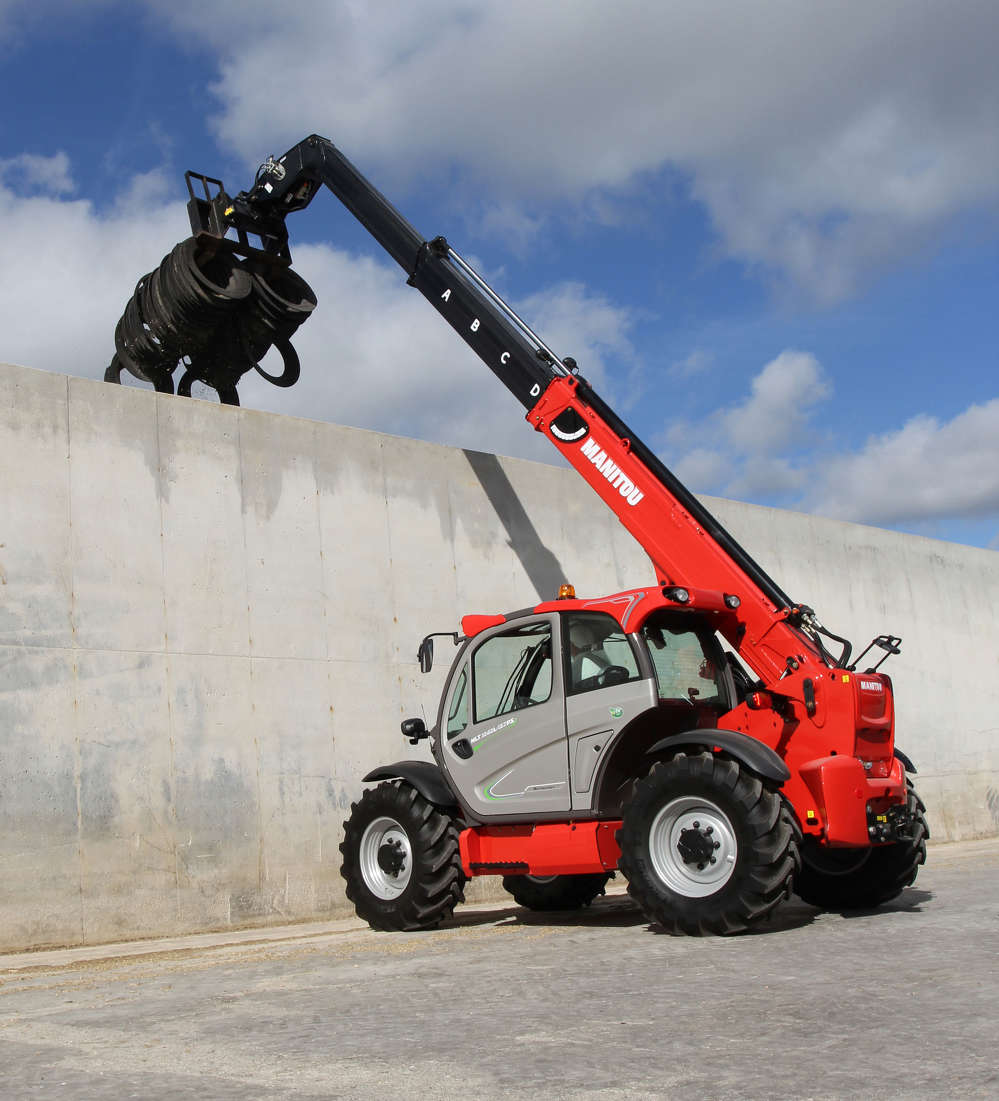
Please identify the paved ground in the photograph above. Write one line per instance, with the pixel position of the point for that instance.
(901, 1003)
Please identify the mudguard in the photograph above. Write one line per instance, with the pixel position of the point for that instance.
(906, 763)
(756, 756)
(425, 776)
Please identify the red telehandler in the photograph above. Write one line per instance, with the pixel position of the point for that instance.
(697, 734)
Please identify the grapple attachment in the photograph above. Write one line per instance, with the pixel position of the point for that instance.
(214, 307)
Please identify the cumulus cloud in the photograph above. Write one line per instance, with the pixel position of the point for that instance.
(70, 270)
(824, 140)
(763, 448)
(31, 172)
(925, 470)
(777, 411)
(754, 440)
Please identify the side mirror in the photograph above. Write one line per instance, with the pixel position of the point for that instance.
(415, 730)
(425, 655)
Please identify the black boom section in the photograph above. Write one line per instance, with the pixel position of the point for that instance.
(481, 325)
(290, 183)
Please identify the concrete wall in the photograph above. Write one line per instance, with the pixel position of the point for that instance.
(208, 625)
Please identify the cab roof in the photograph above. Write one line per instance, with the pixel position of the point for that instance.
(631, 608)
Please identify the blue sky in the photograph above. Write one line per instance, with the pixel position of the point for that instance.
(767, 233)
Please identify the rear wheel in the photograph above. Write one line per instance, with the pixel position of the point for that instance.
(400, 859)
(859, 879)
(706, 847)
(555, 892)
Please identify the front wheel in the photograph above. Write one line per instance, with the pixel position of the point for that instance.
(555, 892)
(852, 879)
(401, 860)
(706, 847)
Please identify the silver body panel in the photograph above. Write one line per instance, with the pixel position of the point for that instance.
(593, 722)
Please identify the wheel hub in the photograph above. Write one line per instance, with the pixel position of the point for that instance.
(391, 857)
(385, 858)
(692, 846)
(697, 845)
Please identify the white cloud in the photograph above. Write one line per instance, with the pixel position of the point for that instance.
(777, 411)
(825, 140)
(925, 470)
(69, 272)
(753, 441)
(31, 172)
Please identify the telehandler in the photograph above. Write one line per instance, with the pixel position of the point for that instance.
(699, 734)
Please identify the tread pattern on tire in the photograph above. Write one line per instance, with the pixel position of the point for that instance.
(766, 864)
(560, 892)
(885, 872)
(437, 881)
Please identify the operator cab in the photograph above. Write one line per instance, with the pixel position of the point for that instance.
(538, 701)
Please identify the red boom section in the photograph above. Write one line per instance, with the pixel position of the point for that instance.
(682, 552)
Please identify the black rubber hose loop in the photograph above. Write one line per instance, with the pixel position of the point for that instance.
(292, 365)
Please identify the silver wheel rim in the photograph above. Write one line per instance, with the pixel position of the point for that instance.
(542, 879)
(692, 879)
(384, 884)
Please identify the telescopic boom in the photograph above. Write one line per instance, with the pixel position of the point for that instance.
(688, 546)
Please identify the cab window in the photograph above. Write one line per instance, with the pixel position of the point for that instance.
(512, 670)
(686, 662)
(598, 653)
(457, 716)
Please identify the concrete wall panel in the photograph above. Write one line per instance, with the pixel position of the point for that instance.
(36, 581)
(204, 542)
(208, 629)
(118, 600)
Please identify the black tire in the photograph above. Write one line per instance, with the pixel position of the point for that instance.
(706, 846)
(401, 860)
(860, 879)
(555, 892)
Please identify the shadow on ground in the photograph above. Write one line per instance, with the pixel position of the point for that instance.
(619, 911)
(616, 910)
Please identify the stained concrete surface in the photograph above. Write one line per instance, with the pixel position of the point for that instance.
(895, 1003)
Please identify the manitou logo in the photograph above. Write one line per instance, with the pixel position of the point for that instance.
(612, 472)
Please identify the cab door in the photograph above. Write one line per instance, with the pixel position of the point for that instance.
(505, 744)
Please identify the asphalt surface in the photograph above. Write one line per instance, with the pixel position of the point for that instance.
(902, 1002)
